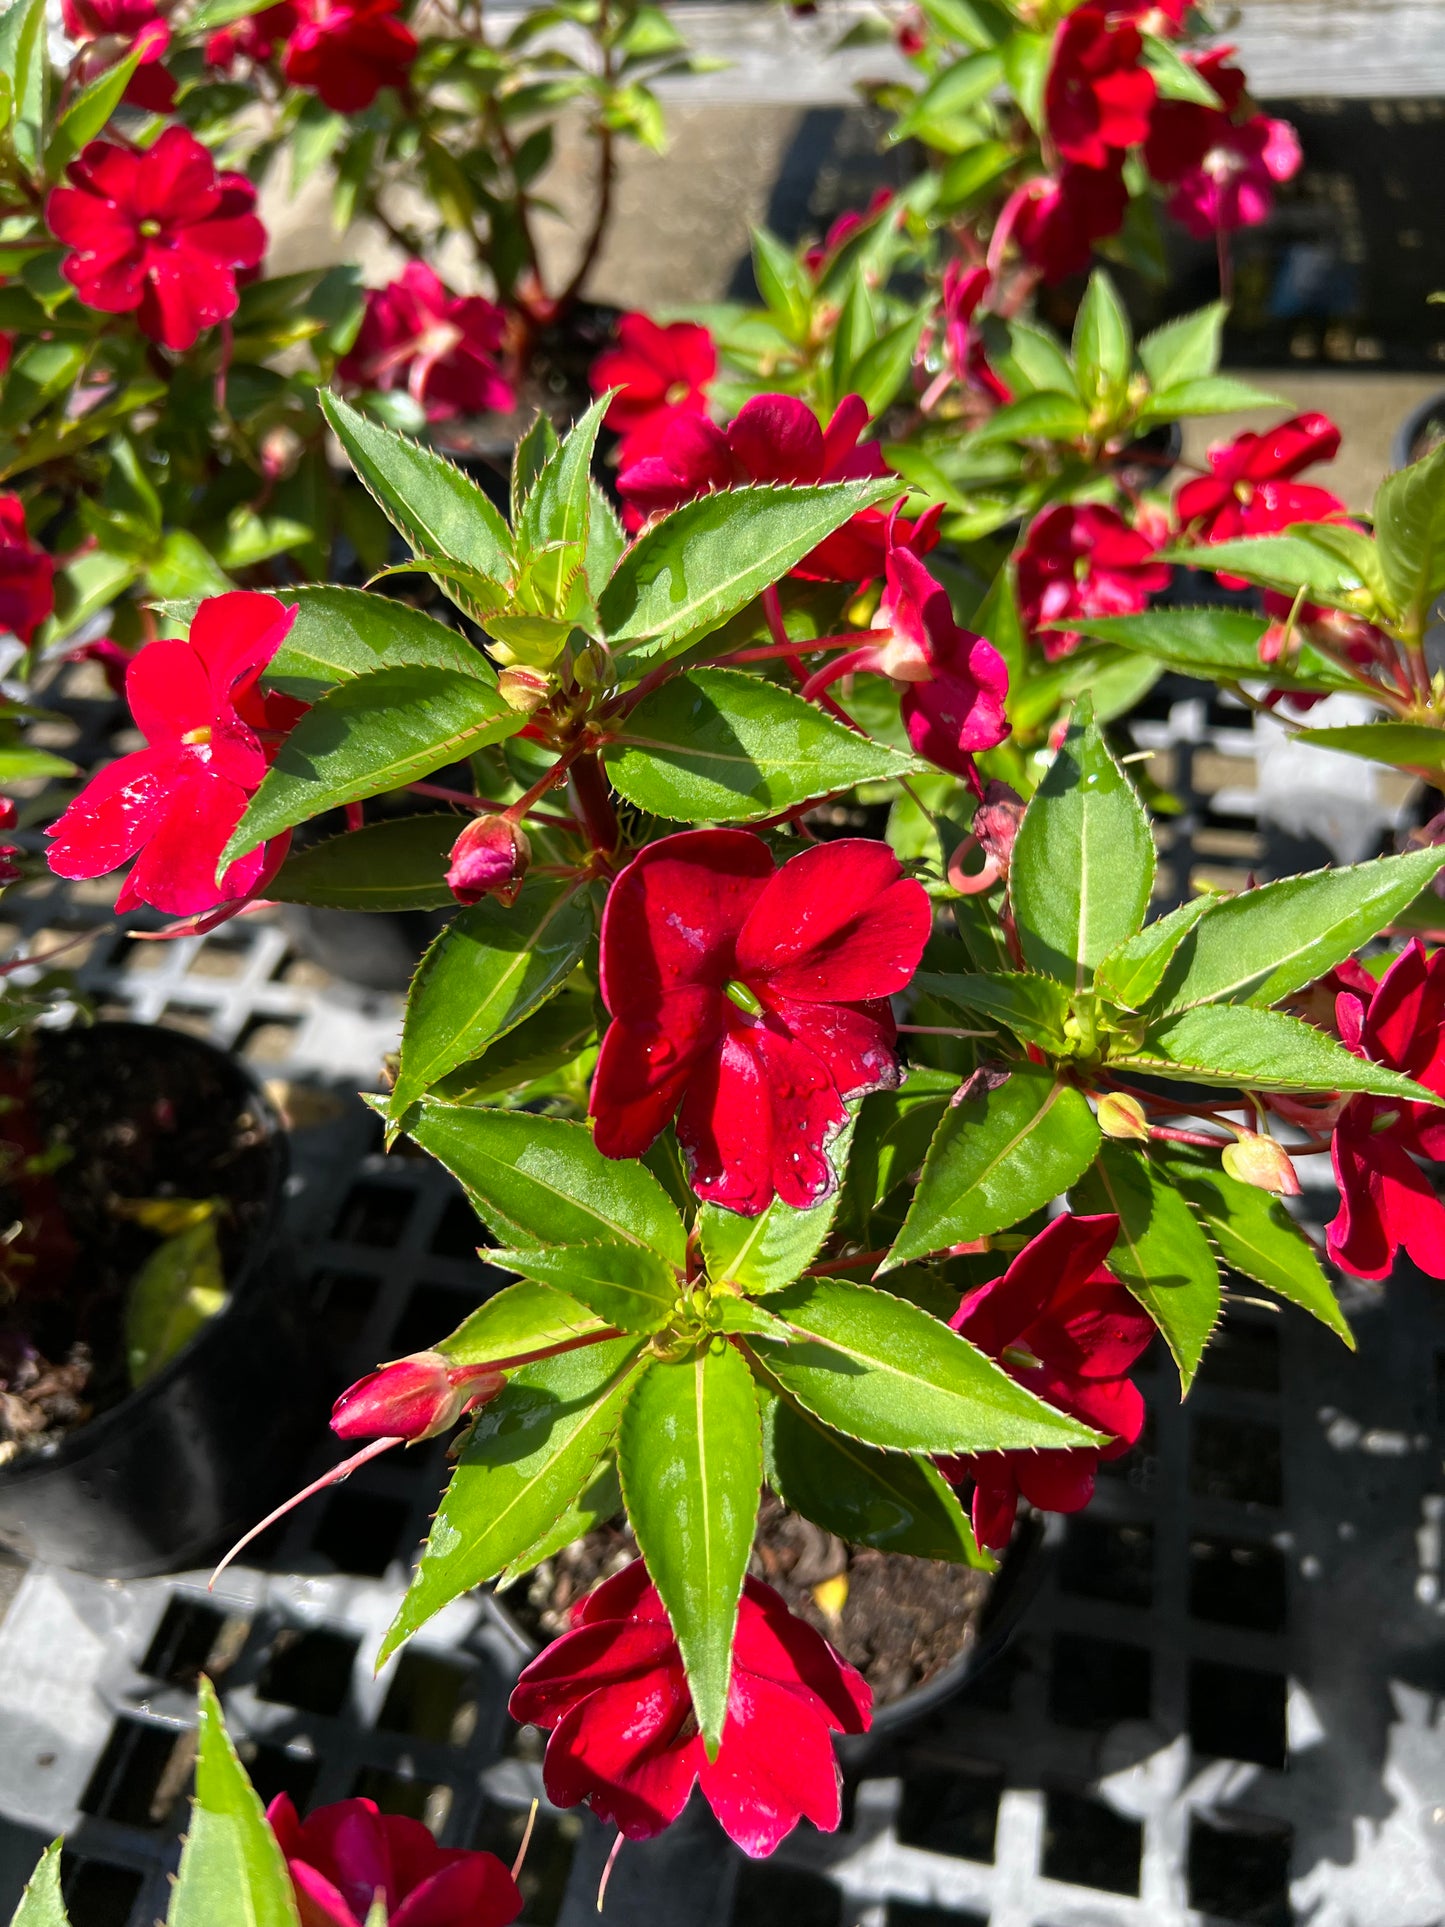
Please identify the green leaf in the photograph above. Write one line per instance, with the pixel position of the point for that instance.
(487, 970)
(884, 1371)
(1264, 1050)
(601, 1501)
(542, 1181)
(1034, 1008)
(558, 507)
(765, 1253)
(890, 1142)
(25, 62)
(1207, 395)
(1174, 77)
(399, 864)
(1257, 947)
(889, 1500)
(723, 746)
(1186, 349)
(529, 458)
(1083, 865)
(1000, 1152)
(1037, 361)
(882, 368)
(605, 543)
(1103, 346)
(41, 1904)
(1161, 1252)
(1222, 644)
(950, 94)
(630, 1287)
(339, 634)
(232, 1869)
(782, 284)
(689, 572)
(532, 1451)
(1289, 562)
(1046, 416)
(558, 1036)
(24, 761)
(517, 1321)
(1026, 59)
(1132, 972)
(691, 1460)
(178, 1289)
(88, 113)
(375, 733)
(1408, 746)
(1409, 517)
(432, 504)
(1255, 1235)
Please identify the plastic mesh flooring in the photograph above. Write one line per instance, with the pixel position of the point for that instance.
(1223, 1705)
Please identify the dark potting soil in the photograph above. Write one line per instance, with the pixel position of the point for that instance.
(900, 1620)
(124, 1112)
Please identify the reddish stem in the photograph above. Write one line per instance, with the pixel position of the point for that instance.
(593, 799)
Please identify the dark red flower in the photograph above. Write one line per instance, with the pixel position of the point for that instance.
(174, 804)
(1251, 489)
(1097, 96)
(347, 52)
(1083, 562)
(1059, 1322)
(10, 853)
(489, 859)
(754, 999)
(346, 1855)
(1222, 169)
(255, 38)
(1386, 1200)
(158, 232)
(663, 374)
(1064, 215)
(963, 293)
(623, 1737)
(441, 347)
(910, 33)
(27, 575)
(776, 438)
(952, 682)
(413, 1398)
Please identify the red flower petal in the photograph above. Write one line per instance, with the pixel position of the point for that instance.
(776, 438)
(775, 1767)
(603, 1653)
(473, 1891)
(318, 1900)
(642, 1071)
(169, 692)
(755, 1120)
(838, 923)
(673, 915)
(176, 871)
(1056, 1481)
(854, 1042)
(113, 815)
(621, 1753)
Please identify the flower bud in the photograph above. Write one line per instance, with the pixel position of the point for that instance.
(592, 666)
(1262, 1162)
(522, 689)
(489, 859)
(413, 1398)
(1122, 1116)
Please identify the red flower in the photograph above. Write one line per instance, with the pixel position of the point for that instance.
(963, 292)
(347, 1854)
(1059, 1322)
(754, 999)
(174, 804)
(1251, 489)
(776, 438)
(159, 232)
(441, 347)
(1084, 562)
(348, 52)
(1386, 1201)
(10, 853)
(27, 575)
(255, 38)
(663, 374)
(1097, 96)
(953, 682)
(614, 1695)
(413, 1398)
(1064, 215)
(844, 228)
(1223, 171)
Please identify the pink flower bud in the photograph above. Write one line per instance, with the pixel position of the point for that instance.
(413, 1398)
(7, 813)
(1262, 1162)
(524, 689)
(489, 859)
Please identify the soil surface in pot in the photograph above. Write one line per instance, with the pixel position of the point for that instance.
(900, 1621)
(121, 1113)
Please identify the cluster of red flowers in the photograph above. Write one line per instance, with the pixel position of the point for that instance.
(443, 348)
(344, 50)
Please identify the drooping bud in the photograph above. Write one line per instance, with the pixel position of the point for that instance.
(489, 859)
(1262, 1162)
(413, 1398)
(1122, 1116)
(523, 689)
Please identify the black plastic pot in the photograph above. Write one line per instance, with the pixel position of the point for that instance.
(174, 1470)
(1422, 429)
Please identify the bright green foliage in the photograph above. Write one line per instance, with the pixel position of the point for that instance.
(231, 1866)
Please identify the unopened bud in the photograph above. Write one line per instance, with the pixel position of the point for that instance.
(1122, 1116)
(7, 813)
(413, 1398)
(592, 666)
(489, 859)
(280, 450)
(1262, 1162)
(524, 690)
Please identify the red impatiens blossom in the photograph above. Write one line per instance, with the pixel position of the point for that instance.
(255, 38)
(1222, 168)
(1083, 562)
(348, 52)
(1251, 487)
(1064, 215)
(174, 804)
(441, 347)
(27, 575)
(756, 1000)
(663, 374)
(109, 29)
(347, 1855)
(624, 1739)
(952, 682)
(964, 290)
(157, 231)
(413, 1398)
(1058, 1321)
(10, 853)
(776, 438)
(1097, 96)
(1386, 1200)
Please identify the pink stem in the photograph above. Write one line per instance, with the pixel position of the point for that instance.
(373, 1450)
